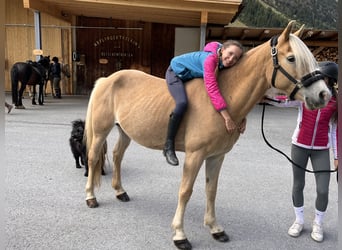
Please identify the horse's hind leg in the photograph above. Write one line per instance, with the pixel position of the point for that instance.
(212, 171)
(94, 168)
(118, 153)
(34, 92)
(19, 104)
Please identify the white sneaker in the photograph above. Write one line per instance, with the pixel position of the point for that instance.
(317, 232)
(295, 229)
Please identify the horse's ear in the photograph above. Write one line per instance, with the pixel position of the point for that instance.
(300, 32)
(286, 33)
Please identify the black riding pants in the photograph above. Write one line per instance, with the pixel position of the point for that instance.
(177, 90)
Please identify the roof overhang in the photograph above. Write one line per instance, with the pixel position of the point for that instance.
(178, 12)
(251, 36)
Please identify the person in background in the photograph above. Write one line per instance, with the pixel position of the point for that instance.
(56, 76)
(200, 64)
(314, 135)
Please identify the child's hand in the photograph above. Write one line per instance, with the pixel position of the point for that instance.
(230, 125)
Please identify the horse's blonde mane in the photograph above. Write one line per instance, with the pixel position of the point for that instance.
(305, 61)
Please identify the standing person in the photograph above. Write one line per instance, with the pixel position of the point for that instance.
(9, 107)
(56, 76)
(200, 64)
(314, 134)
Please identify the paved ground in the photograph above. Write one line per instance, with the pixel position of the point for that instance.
(45, 196)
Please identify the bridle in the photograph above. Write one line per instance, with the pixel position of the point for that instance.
(306, 80)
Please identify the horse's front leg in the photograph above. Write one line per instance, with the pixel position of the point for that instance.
(41, 94)
(212, 171)
(34, 95)
(192, 165)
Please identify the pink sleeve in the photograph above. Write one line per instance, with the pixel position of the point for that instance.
(209, 76)
(211, 47)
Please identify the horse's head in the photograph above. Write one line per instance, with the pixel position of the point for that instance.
(295, 70)
(45, 61)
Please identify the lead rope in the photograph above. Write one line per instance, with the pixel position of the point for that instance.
(279, 151)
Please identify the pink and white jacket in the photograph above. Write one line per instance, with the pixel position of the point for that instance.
(314, 129)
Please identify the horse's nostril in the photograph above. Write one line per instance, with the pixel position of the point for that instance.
(324, 95)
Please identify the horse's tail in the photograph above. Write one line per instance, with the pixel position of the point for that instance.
(14, 83)
(88, 141)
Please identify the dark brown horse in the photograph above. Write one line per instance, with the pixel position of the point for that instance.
(29, 73)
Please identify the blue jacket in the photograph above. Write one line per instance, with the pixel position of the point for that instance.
(202, 64)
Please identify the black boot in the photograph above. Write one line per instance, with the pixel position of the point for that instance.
(169, 148)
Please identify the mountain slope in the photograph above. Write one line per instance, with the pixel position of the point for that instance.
(318, 14)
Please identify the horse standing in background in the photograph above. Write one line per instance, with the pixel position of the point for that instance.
(140, 104)
(29, 73)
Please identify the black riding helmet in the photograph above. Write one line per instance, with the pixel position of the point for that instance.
(329, 69)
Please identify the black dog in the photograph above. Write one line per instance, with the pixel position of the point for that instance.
(78, 148)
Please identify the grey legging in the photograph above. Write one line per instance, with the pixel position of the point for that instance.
(320, 160)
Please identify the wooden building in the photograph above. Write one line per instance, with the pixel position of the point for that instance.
(97, 38)
(20, 38)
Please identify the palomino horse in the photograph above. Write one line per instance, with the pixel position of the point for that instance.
(29, 73)
(140, 104)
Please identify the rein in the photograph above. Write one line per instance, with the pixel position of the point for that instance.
(281, 152)
(306, 80)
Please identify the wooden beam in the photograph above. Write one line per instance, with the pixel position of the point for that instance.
(37, 5)
(249, 42)
(317, 51)
(204, 17)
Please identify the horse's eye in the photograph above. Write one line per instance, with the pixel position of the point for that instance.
(291, 59)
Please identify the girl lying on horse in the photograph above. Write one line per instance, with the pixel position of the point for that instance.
(200, 64)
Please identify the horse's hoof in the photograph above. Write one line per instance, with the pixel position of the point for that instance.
(92, 203)
(123, 197)
(221, 236)
(183, 244)
(20, 107)
(41, 104)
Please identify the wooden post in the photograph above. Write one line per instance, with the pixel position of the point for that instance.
(37, 32)
(204, 21)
